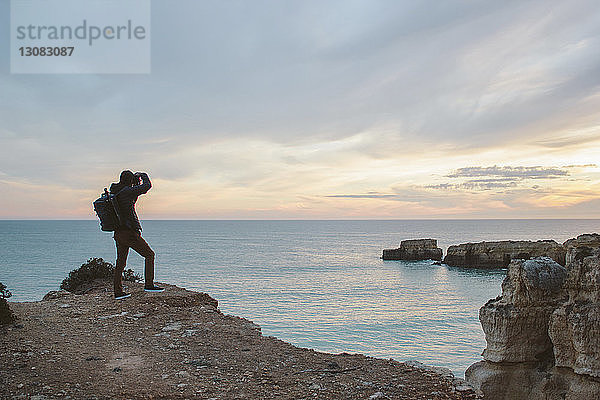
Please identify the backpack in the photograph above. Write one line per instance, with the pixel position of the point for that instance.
(107, 210)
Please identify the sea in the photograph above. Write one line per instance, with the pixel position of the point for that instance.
(315, 284)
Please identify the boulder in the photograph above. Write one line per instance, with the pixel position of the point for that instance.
(516, 323)
(56, 294)
(504, 381)
(500, 254)
(414, 250)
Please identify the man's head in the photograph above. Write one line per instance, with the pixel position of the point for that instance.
(127, 178)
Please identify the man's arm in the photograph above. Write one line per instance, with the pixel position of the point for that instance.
(144, 187)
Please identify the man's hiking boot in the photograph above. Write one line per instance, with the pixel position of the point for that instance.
(153, 289)
(121, 296)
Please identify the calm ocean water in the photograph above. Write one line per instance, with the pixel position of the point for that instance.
(316, 284)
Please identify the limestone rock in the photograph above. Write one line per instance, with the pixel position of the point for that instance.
(543, 333)
(575, 326)
(415, 249)
(174, 326)
(533, 282)
(586, 240)
(524, 381)
(56, 294)
(575, 333)
(516, 323)
(498, 381)
(500, 254)
(583, 256)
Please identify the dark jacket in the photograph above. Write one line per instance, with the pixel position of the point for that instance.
(127, 196)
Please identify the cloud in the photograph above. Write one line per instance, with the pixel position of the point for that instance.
(251, 106)
(366, 196)
(581, 166)
(569, 141)
(537, 172)
(500, 177)
(474, 73)
(473, 185)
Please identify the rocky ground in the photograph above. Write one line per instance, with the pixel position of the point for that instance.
(178, 345)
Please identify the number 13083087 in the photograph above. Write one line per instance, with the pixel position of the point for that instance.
(46, 51)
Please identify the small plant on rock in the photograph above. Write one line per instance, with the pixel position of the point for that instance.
(95, 268)
(6, 315)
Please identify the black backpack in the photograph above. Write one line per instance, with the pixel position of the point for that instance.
(107, 210)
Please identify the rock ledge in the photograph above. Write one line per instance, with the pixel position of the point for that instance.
(178, 345)
(500, 254)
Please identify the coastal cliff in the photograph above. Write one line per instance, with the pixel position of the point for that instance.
(178, 345)
(414, 250)
(500, 254)
(543, 332)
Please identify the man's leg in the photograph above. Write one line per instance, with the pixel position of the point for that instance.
(144, 250)
(122, 251)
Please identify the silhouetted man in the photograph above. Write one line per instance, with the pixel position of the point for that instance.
(129, 233)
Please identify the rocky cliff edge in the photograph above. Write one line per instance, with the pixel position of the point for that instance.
(543, 332)
(178, 345)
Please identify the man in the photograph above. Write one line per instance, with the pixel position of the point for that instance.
(129, 233)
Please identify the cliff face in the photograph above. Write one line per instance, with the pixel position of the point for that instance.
(500, 254)
(575, 325)
(543, 332)
(415, 249)
(516, 324)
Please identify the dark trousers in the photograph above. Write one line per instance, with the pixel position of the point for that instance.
(125, 239)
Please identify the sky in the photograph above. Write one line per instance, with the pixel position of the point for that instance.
(336, 109)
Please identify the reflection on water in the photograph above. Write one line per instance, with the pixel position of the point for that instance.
(403, 310)
(317, 284)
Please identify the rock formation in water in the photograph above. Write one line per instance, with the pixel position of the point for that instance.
(500, 254)
(415, 249)
(543, 332)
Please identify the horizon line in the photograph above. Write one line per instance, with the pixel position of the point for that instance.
(314, 219)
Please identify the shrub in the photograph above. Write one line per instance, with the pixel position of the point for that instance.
(4, 292)
(94, 268)
(6, 315)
